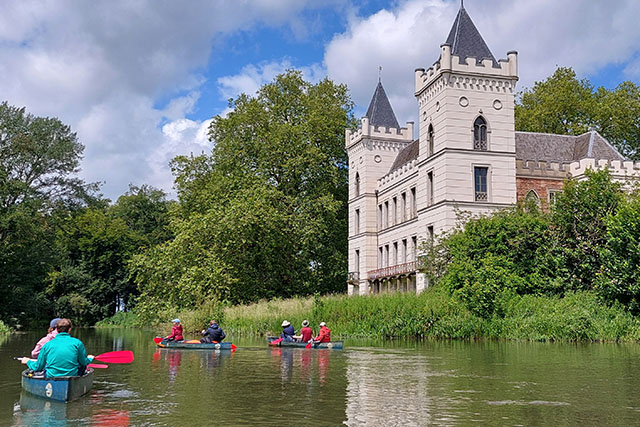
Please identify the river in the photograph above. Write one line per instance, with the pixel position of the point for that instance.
(367, 383)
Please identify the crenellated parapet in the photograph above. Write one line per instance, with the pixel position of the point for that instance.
(398, 174)
(618, 169)
(366, 130)
(489, 76)
(544, 169)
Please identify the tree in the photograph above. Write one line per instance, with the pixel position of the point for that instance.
(39, 158)
(564, 105)
(265, 214)
(579, 221)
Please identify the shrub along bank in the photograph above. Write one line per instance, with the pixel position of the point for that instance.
(579, 316)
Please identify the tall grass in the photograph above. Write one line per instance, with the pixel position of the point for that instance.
(578, 316)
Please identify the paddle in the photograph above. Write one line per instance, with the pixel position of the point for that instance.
(276, 342)
(125, 356)
(308, 344)
(97, 365)
(158, 340)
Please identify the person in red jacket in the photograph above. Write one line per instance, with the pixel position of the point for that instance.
(176, 331)
(324, 335)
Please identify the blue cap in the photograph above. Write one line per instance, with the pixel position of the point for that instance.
(176, 321)
(54, 322)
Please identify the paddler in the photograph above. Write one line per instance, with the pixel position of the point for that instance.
(287, 331)
(306, 333)
(213, 334)
(63, 356)
(324, 335)
(176, 331)
(51, 334)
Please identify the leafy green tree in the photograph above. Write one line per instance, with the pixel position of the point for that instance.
(509, 252)
(619, 278)
(265, 214)
(563, 104)
(579, 222)
(39, 158)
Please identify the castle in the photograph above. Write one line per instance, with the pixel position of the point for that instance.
(468, 157)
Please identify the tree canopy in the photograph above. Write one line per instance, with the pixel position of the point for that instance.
(264, 214)
(564, 104)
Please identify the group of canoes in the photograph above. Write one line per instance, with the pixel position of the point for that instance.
(60, 369)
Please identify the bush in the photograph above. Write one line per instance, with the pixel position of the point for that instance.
(122, 319)
(4, 328)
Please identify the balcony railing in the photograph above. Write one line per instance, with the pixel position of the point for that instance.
(354, 276)
(393, 270)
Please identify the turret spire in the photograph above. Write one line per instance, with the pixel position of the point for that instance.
(465, 39)
(380, 113)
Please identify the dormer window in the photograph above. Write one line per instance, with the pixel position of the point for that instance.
(480, 134)
(430, 137)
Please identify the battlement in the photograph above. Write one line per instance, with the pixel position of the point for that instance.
(408, 168)
(367, 130)
(448, 63)
(543, 169)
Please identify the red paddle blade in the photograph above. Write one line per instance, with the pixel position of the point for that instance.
(157, 340)
(308, 345)
(233, 347)
(124, 356)
(97, 365)
(276, 342)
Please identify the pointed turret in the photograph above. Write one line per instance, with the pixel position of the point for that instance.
(465, 39)
(380, 113)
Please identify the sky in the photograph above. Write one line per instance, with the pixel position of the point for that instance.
(139, 80)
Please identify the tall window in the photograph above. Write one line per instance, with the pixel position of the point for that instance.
(430, 188)
(480, 177)
(357, 261)
(380, 257)
(395, 253)
(404, 250)
(403, 207)
(357, 184)
(386, 214)
(386, 255)
(430, 233)
(413, 203)
(379, 217)
(394, 207)
(430, 137)
(414, 248)
(480, 134)
(357, 221)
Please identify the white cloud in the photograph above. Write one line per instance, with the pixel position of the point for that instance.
(583, 34)
(102, 66)
(252, 77)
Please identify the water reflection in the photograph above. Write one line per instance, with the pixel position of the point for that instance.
(33, 411)
(387, 386)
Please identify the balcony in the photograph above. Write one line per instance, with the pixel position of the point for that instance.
(353, 277)
(394, 270)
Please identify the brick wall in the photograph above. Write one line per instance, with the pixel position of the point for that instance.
(541, 186)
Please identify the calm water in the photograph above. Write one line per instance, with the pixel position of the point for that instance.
(408, 384)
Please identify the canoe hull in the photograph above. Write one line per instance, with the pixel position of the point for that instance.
(63, 389)
(333, 345)
(195, 346)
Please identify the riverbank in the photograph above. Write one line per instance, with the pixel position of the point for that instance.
(432, 314)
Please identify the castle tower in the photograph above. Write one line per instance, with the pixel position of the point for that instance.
(372, 150)
(467, 142)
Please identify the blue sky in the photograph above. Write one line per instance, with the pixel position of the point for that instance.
(139, 80)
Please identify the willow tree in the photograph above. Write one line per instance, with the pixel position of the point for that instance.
(265, 214)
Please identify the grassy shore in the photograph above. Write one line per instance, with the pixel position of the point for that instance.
(432, 314)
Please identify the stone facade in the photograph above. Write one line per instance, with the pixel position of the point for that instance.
(468, 157)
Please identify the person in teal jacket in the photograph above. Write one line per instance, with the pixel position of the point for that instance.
(63, 356)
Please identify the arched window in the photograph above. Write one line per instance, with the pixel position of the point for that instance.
(480, 134)
(430, 137)
(532, 197)
(357, 184)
